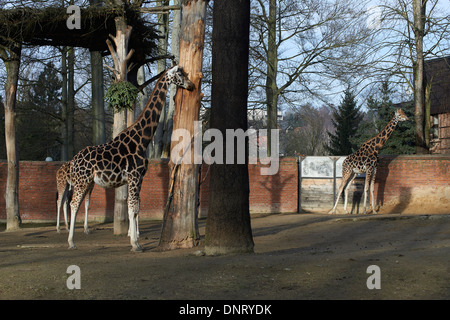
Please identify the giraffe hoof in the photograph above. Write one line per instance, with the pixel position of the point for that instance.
(137, 249)
(87, 231)
(72, 247)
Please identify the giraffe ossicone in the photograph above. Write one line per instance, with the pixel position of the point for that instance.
(365, 160)
(123, 160)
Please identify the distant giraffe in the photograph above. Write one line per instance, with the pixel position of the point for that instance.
(123, 160)
(365, 160)
(65, 195)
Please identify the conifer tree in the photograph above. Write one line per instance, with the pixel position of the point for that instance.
(380, 112)
(345, 120)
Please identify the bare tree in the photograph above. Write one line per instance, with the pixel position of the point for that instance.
(408, 33)
(297, 46)
(11, 57)
(305, 131)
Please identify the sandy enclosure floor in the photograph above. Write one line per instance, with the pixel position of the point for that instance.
(297, 256)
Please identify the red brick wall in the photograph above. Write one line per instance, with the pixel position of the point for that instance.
(405, 184)
(274, 193)
(413, 184)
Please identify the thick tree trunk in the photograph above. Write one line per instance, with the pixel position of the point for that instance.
(228, 227)
(180, 227)
(11, 57)
(120, 57)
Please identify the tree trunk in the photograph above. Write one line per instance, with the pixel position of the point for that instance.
(11, 57)
(120, 57)
(98, 106)
(64, 111)
(70, 102)
(155, 149)
(175, 50)
(180, 227)
(419, 8)
(271, 77)
(228, 227)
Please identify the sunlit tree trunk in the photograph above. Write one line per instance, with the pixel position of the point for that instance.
(11, 58)
(180, 226)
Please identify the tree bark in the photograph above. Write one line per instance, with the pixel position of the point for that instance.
(156, 147)
(175, 50)
(64, 111)
(271, 78)
(11, 58)
(419, 8)
(120, 56)
(228, 227)
(70, 102)
(98, 105)
(180, 227)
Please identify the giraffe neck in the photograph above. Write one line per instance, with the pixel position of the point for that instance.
(383, 136)
(145, 126)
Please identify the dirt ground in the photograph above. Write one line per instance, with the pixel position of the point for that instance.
(297, 256)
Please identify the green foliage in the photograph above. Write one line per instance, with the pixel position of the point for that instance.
(346, 119)
(121, 95)
(380, 112)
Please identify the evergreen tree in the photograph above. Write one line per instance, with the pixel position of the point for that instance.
(380, 112)
(345, 120)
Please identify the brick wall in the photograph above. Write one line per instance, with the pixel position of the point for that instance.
(404, 184)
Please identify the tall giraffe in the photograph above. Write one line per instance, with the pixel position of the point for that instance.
(65, 195)
(123, 160)
(365, 160)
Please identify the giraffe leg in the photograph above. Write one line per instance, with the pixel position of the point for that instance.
(352, 177)
(366, 189)
(345, 177)
(133, 213)
(62, 202)
(372, 187)
(137, 228)
(86, 209)
(58, 206)
(67, 198)
(78, 195)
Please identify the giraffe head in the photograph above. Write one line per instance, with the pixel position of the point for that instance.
(177, 76)
(400, 115)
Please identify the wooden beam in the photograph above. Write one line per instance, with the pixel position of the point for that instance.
(160, 9)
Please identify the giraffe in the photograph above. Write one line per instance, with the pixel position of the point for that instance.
(365, 160)
(123, 160)
(65, 195)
